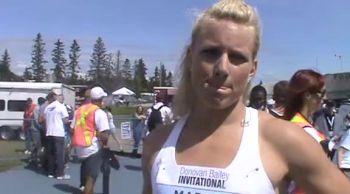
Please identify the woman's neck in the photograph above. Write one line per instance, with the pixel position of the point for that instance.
(307, 113)
(210, 119)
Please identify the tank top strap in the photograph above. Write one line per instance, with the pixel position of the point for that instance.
(175, 133)
(249, 147)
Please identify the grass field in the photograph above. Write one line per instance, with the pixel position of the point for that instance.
(124, 110)
(11, 153)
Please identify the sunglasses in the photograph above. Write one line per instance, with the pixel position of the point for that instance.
(321, 94)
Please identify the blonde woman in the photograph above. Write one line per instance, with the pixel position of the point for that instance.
(219, 145)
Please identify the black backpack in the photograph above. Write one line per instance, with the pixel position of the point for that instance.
(154, 118)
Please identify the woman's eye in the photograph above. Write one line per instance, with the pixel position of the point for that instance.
(237, 59)
(210, 51)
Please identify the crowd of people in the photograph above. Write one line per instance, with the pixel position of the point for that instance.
(214, 139)
(53, 129)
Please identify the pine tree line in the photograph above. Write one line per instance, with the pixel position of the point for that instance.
(110, 70)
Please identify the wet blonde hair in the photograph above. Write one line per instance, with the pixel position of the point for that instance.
(231, 10)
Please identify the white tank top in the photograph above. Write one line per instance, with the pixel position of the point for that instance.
(244, 175)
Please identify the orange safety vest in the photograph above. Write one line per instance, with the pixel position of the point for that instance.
(300, 120)
(84, 129)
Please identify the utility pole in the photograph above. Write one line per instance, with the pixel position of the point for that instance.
(340, 58)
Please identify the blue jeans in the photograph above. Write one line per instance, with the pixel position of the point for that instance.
(137, 134)
(55, 155)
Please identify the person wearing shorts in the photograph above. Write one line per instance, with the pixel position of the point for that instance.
(90, 133)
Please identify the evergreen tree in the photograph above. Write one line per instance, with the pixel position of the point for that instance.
(38, 61)
(59, 62)
(169, 79)
(98, 61)
(155, 80)
(5, 67)
(109, 68)
(5, 72)
(162, 75)
(141, 84)
(73, 67)
(27, 74)
(5, 63)
(116, 63)
(126, 73)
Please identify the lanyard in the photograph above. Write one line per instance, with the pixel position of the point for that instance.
(330, 122)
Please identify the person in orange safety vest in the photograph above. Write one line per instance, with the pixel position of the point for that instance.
(90, 129)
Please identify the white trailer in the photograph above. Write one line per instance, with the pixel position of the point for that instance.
(13, 97)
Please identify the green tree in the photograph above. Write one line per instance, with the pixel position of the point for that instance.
(73, 67)
(28, 74)
(38, 61)
(99, 60)
(116, 58)
(59, 61)
(155, 79)
(109, 67)
(5, 72)
(126, 73)
(4, 65)
(169, 79)
(140, 81)
(162, 75)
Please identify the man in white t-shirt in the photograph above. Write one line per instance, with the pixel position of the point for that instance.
(55, 115)
(89, 147)
(165, 112)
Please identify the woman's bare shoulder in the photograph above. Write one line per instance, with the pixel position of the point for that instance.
(155, 140)
(274, 129)
(289, 139)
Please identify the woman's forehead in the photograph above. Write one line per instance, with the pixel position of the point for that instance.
(227, 33)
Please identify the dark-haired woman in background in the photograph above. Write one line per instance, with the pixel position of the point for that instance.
(306, 91)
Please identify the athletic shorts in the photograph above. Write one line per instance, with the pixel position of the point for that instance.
(93, 165)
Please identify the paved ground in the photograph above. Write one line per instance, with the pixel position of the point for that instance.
(127, 180)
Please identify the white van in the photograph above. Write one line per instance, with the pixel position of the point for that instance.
(13, 97)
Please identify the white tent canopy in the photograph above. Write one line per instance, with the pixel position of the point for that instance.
(123, 92)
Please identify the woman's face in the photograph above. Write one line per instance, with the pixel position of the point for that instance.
(316, 100)
(139, 110)
(222, 60)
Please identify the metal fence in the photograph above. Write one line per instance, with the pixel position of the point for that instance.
(124, 132)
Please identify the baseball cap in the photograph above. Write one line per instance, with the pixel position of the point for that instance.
(97, 93)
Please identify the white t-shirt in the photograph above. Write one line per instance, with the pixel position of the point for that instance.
(54, 115)
(345, 143)
(167, 114)
(102, 124)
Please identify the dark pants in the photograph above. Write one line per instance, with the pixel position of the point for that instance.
(28, 138)
(36, 145)
(55, 155)
(90, 167)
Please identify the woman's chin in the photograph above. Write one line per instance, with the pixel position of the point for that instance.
(218, 103)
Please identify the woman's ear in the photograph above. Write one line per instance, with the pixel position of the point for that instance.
(253, 70)
(307, 95)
